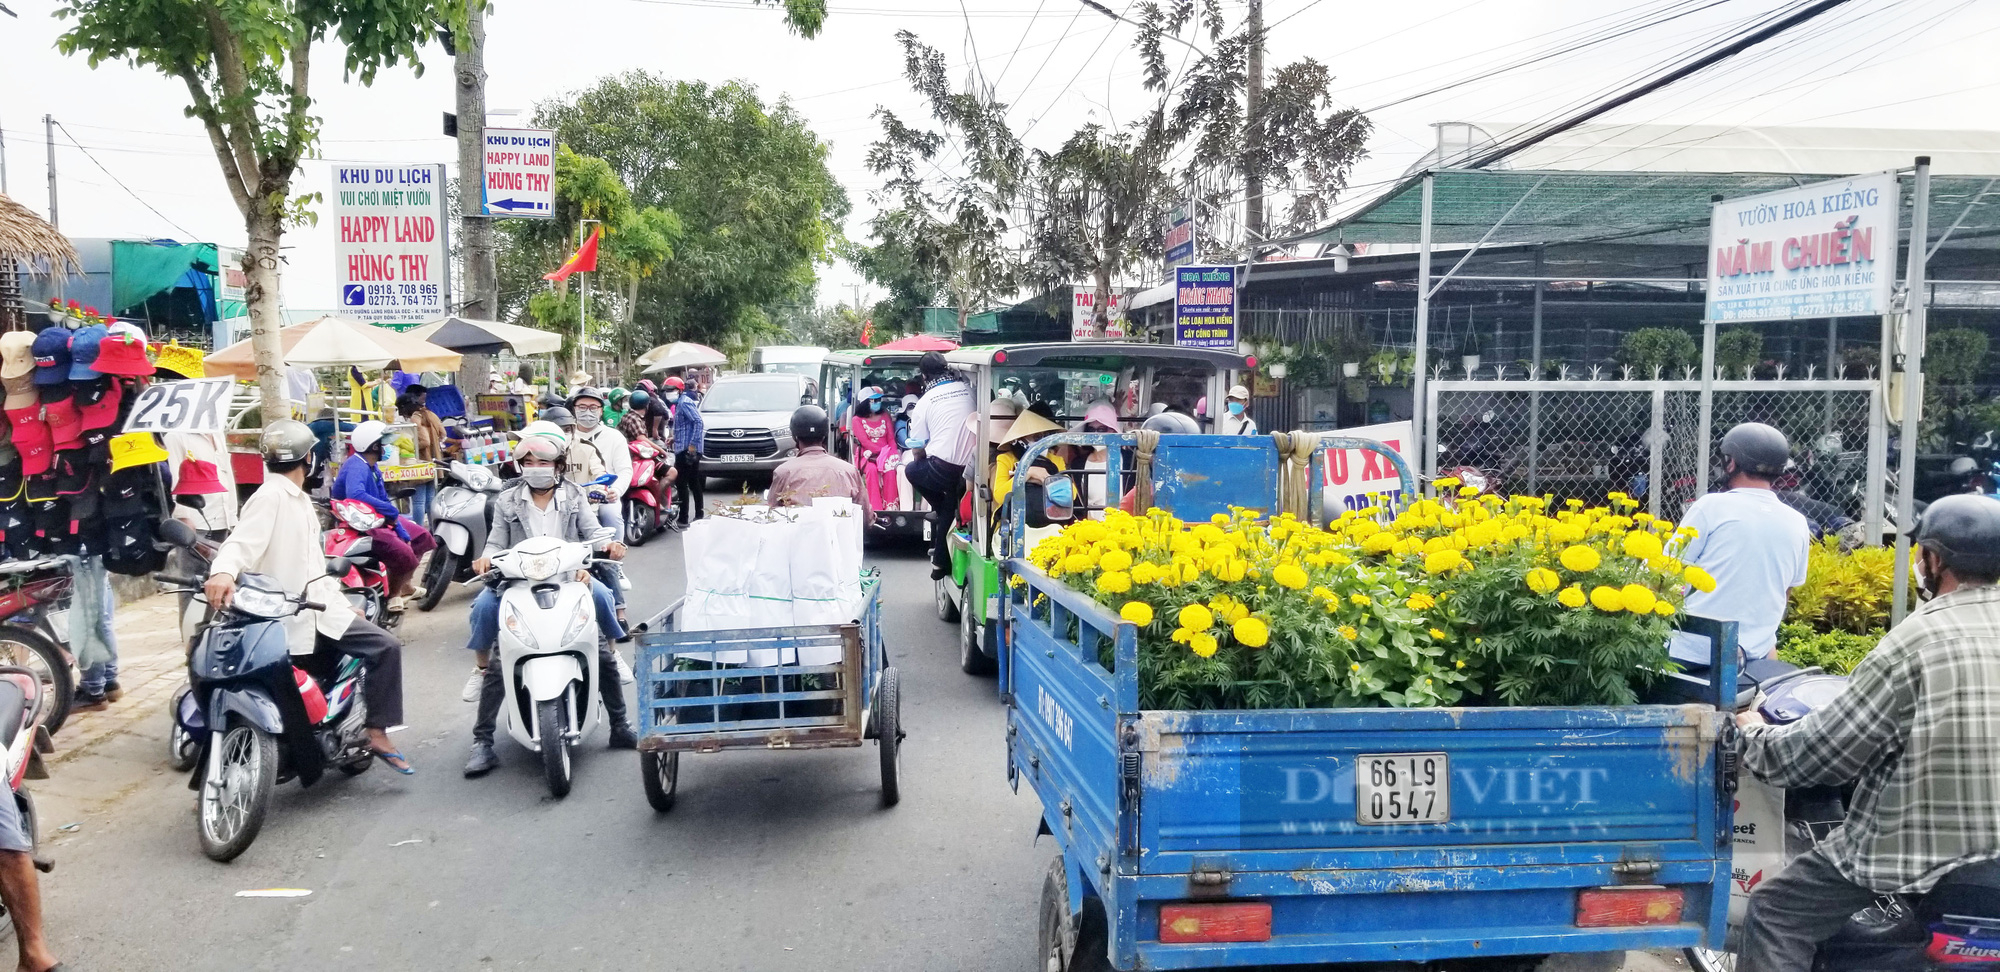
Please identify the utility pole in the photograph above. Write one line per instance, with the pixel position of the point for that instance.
(1253, 133)
(49, 134)
(3, 160)
(482, 285)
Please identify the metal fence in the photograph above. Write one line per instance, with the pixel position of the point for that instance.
(1584, 439)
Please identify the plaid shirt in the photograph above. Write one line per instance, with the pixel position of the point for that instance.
(688, 425)
(1919, 729)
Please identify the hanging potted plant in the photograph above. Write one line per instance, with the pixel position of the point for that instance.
(1468, 354)
(1383, 364)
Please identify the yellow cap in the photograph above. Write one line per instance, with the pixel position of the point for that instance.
(185, 362)
(135, 449)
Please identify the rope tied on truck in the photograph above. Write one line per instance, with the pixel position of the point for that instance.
(1295, 451)
(1142, 488)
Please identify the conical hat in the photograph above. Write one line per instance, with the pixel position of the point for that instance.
(1030, 423)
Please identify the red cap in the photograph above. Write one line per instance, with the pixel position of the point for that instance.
(31, 437)
(103, 413)
(65, 422)
(122, 353)
(197, 478)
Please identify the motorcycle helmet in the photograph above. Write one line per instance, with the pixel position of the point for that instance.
(559, 416)
(809, 425)
(1758, 449)
(639, 400)
(366, 435)
(543, 440)
(594, 394)
(1964, 531)
(286, 443)
(1171, 423)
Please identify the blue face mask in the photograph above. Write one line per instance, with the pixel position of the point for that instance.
(1235, 408)
(1060, 491)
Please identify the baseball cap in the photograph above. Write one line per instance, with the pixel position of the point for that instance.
(31, 437)
(123, 353)
(20, 391)
(65, 422)
(1238, 391)
(83, 347)
(98, 404)
(17, 356)
(51, 350)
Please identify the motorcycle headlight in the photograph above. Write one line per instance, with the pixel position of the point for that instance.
(261, 603)
(539, 568)
(577, 624)
(518, 627)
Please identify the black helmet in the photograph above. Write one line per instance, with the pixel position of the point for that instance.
(931, 364)
(1964, 531)
(1171, 423)
(639, 400)
(808, 425)
(1758, 449)
(587, 392)
(558, 415)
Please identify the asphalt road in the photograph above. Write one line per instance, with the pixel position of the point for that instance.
(769, 861)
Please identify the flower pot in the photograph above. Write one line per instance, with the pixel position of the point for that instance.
(1470, 362)
(1350, 369)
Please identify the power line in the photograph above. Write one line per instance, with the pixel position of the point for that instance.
(1017, 46)
(121, 183)
(1032, 122)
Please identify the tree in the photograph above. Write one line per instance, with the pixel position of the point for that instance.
(248, 71)
(1099, 200)
(748, 184)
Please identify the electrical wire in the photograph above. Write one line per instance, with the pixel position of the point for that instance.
(121, 183)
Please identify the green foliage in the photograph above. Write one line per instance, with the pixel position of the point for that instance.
(1953, 358)
(1099, 196)
(1664, 349)
(1846, 591)
(1835, 651)
(1738, 350)
(1953, 411)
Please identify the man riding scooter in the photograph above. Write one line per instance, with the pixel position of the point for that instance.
(541, 504)
(1913, 732)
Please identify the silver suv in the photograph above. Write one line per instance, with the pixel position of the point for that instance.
(749, 420)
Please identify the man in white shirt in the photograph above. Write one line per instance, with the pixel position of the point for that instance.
(1235, 418)
(1753, 544)
(277, 534)
(943, 450)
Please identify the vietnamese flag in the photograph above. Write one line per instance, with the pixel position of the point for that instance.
(584, 260)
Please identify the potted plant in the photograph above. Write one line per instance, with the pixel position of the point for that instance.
(1350, 369)
(1383, 364)
(1468, 354)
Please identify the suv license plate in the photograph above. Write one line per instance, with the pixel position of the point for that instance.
(1399, 788)
(737, 457)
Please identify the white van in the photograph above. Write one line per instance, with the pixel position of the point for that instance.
(787, 360)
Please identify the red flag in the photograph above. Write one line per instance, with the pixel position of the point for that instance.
(867, 332)
(584, 260)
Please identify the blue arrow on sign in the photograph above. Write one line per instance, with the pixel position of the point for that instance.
(513, 204)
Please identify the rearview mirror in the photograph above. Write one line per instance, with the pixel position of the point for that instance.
(175, 532)
(338, 566)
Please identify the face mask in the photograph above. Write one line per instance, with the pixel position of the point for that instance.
(1235, 408)
(1059, 491)
(1926, 585)
(539, 477)
(673, 397)
(587, 418)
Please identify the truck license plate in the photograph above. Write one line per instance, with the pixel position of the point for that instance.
(736, 457)
(1400, 788)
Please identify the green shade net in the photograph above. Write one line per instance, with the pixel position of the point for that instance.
(140, 270)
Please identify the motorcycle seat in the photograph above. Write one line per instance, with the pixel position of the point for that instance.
(13, 704)
(1972, 890)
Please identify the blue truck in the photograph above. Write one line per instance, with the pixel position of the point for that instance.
(1213, 839)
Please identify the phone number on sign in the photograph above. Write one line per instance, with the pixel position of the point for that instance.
(407, 295)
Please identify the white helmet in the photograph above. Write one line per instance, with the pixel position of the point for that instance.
(366, 435)
(544, 440)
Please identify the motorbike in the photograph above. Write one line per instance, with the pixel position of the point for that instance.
(183, 748)
(649, 501)
(459, 521)
(366, 581)
(1955, 925)
(549, 643)
(23, 740)
(262, 715)
(34, 633)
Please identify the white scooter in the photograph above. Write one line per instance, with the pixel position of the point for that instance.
(549, 643)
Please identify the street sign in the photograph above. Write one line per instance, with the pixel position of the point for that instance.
(1205, 307)
(1354, 477)
(194, 405)
(392, 262)
(1180, 235)
(518, 172)
(1823, 250)
(1083, 316)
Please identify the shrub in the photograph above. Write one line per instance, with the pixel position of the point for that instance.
(1667, 348)
(1846, 591)
(1836, 651)
(1739, 349)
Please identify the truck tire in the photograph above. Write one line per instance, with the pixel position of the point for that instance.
(889, 735)
(971, 660)
(1065, 942)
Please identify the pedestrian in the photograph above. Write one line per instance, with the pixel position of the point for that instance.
(1753, 544)
(1235, 418)
(688, 430)
(1913, 732)
(413, 405)
(943, 450)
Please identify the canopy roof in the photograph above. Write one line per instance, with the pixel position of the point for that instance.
(1665, 208)
(29, 241)
(335, 342)
(1106, 354)
(486, 337)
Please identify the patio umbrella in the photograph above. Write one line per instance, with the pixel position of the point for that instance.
(920, 342)
(335, 342)
(681, 354)
(486, 337)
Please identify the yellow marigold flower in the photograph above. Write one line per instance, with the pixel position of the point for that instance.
(1699, 579)
(1360, 600)
(1252, 632)
(1208, 533)
(1606, 598)
(1088, 531)
(1542, 580)
(1445, 482)
(1290, 575)
(1137, 612)
(1643, 546)
(1232, 570)
(1572, 597)
(1442, 561)
(1664, 608)
(1379, 543)
(1580, 558)
(1637, 598)
(1467, 492)
(1347, 631)
(1190, 572)
(1203, 643)
(1196, 617)
(1181, 635)
(1439, 634)
(1574, 504)
(1363, 529)
(1114, 582)
(1144, 572)
(1435, 544)
(1421, 601)
(1115, 560)
(1355, 667)
(1566, 532)
(1079, 562)
(1237, 612)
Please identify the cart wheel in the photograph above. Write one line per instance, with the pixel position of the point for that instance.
(1066, 942)
(971, 660)
(889, 735)
(947, 610)
(662, 776)
(1710, 960)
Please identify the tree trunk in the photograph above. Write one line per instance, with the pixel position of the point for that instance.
(482, 283)
(1101, 314)
(1253, 133)
(260, 293)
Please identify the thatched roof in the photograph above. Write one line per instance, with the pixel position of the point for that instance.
(34, 245)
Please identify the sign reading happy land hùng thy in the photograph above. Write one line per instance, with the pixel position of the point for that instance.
(1205, 307)
(1824, 250)
(519, 172)
(392, 261)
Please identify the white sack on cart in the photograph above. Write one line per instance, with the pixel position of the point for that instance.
(719, 555)
(850, 522)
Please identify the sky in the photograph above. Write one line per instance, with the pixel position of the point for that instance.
(131, 164)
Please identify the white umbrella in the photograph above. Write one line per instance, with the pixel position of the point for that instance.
(335, 342)
(680, 354)
(466, 334)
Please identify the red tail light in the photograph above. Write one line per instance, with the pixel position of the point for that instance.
(1183, 924)
(1619, 907)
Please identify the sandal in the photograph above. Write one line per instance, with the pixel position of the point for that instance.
(388, 759)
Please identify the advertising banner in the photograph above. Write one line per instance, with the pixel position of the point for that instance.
(1355, 477)
(194, 405)
(519, 174)
(1180, 235)
(1824, 250)
(392, 262)
(1205, 307)
(1083, 316)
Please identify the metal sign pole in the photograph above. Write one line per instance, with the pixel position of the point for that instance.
(1706, 409)
(1915, 312)
(1427, 463)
